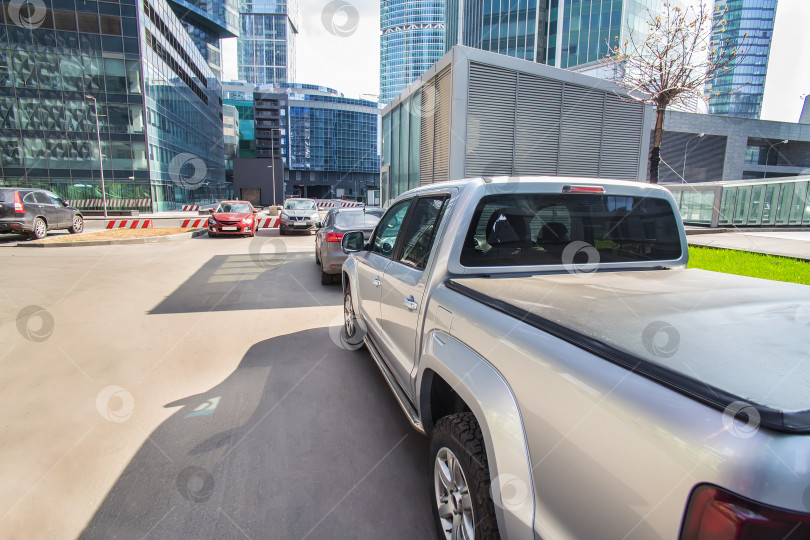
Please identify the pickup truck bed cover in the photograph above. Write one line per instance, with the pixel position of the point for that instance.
(716, 337)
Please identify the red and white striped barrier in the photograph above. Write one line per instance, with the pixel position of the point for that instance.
(111, 203)
(191, 208)
(336, 203)
(194, 223)
(129, 224)
(267, 223)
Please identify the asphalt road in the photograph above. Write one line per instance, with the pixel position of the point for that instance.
(194, 390)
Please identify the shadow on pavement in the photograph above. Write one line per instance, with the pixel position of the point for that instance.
(255, 280)
(292, 444)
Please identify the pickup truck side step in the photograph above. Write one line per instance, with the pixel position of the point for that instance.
(403, 400)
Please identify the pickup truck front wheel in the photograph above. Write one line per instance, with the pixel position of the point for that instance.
(459, 480)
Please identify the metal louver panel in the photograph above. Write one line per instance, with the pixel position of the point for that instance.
(427, 128)
(582, 112)
(441, 138)
(492, 103)
(537, 133)
(621, 138)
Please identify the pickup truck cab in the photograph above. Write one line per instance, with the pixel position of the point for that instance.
(575, 379)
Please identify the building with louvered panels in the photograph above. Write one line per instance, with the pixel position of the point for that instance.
(477, 113)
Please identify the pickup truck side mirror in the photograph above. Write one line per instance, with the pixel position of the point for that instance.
(352, 242)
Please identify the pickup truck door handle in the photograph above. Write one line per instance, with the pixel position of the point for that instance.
(376, 281)
(410, 304)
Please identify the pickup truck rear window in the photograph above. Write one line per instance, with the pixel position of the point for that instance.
(529, 230)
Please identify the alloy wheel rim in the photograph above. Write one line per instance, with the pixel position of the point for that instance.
(40, 228)
(348, 315)
(453, 499)
(77, 223)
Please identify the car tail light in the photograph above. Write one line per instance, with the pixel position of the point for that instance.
(19, 207)
(583, 189)
(716, 514)
(334, 237)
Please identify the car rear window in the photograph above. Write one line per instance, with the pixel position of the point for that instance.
(357, 220)
(548, 229)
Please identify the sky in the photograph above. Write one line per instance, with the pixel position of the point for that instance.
(339, 46)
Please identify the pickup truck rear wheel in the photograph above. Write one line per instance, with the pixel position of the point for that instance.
(459, 480)
(349, 334)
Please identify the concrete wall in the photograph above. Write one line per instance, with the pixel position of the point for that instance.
(738, 131)
(255, 173)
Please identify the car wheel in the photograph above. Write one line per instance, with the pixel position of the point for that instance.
(327, 279)
(78, 225)
(281, 231)
(459, 480)
(349, 334)
(40, 229)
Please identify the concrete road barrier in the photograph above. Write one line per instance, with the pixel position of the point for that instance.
(129, 224)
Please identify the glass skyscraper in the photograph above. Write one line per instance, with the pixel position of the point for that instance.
(159, 108)
(239, 94)
(581, 31)
(412, 40)
(742, 87)
(516, 28)
(206, 22)
(328, 143)
(266, 44)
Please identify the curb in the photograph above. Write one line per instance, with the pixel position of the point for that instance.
(124, 241)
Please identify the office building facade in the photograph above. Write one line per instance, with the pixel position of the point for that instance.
(314, 141)
(516, 29)
(749, 26)
(206, 22)
(411, 40)
(266, 44)
(239, 94)
(159, 110)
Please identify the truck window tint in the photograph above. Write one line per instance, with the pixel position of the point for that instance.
(529, 230)
(421, 231)
(385, 235)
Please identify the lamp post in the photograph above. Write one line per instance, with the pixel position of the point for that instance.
(768, 155)
(100, 163)
(686, 153)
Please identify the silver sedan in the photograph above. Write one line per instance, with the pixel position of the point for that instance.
(338, 221)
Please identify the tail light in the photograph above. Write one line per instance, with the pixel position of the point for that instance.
(334, 237)
(716, 514)
(19, 207)
(583, 189)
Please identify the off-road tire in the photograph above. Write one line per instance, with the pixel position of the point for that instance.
(461, 434)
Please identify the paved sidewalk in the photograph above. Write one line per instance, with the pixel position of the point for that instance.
(795, 244)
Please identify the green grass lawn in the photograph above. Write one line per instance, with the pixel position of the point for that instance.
(743, 263)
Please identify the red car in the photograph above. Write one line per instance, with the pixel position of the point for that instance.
(233, 217)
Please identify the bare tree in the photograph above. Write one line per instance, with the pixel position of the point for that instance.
(683, 50)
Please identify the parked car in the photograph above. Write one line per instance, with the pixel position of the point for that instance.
(575, 379)
(36, 211)
(328, 252)
(233, 218)
(298, 215)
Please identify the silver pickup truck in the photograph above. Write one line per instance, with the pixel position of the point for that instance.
(574, 378)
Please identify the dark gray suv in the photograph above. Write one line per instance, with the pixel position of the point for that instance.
(35, 211)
